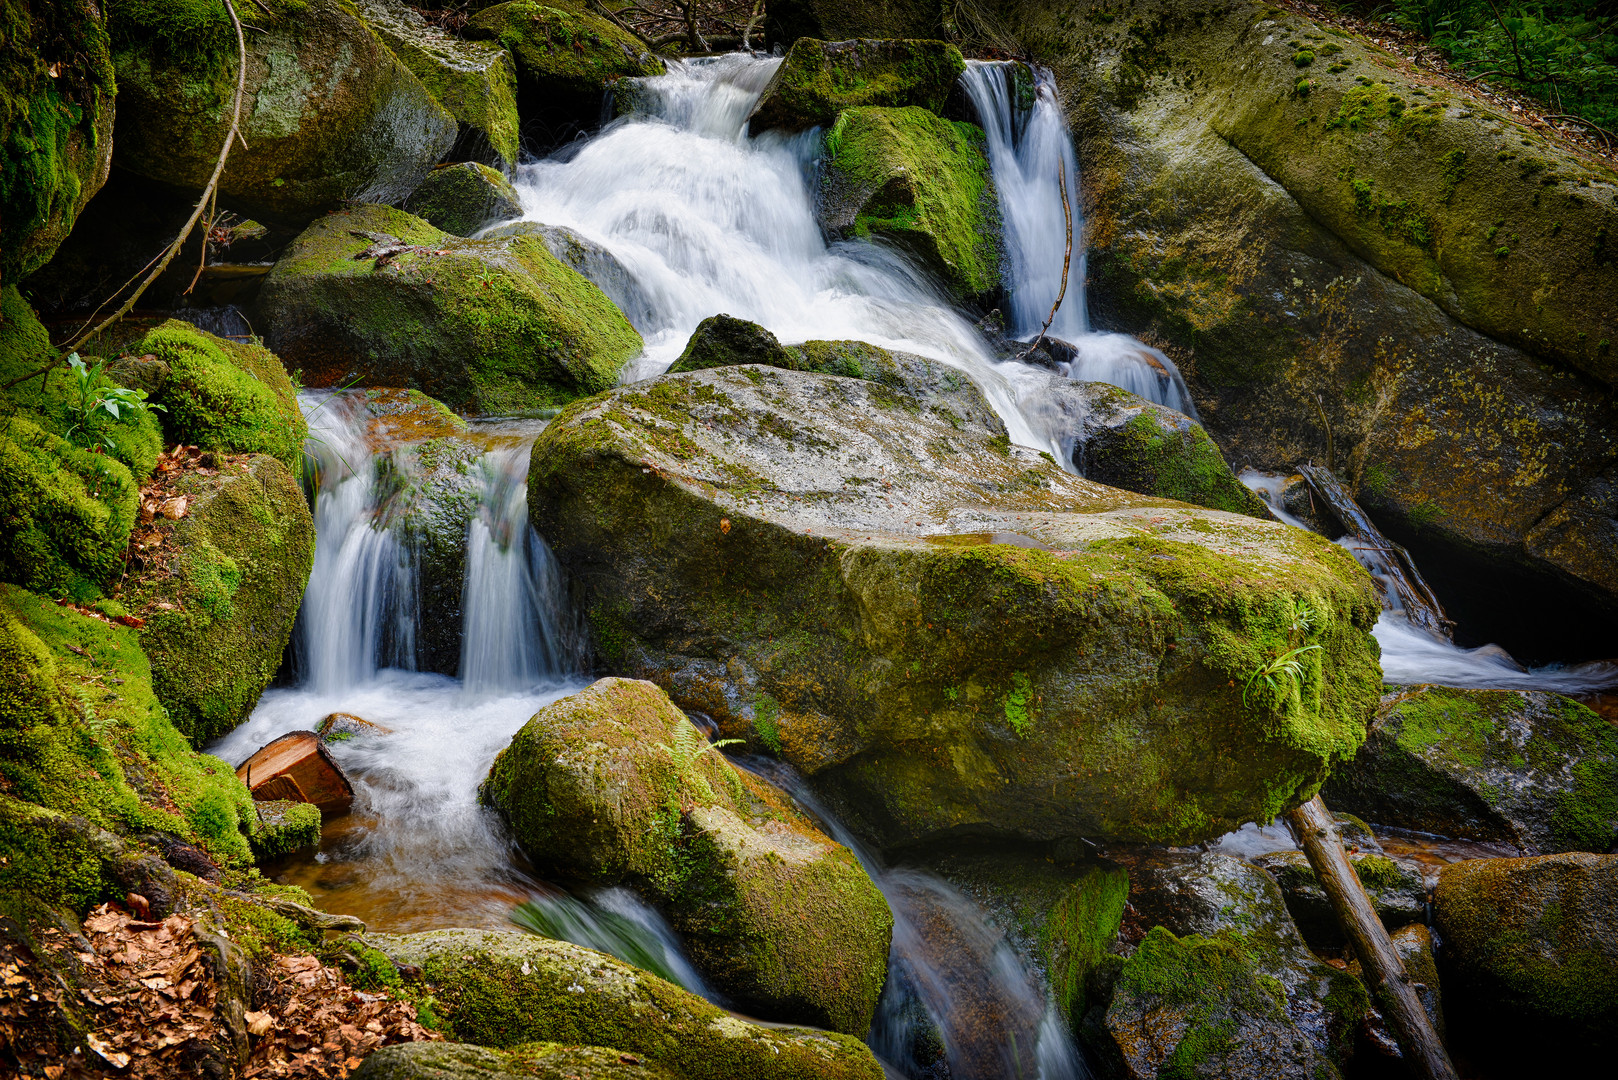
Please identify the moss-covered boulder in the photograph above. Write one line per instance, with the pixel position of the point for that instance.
(504, 989)
(329, 113)
(219, 589)
(949, 630)
(1121, 439)
(921, 183)
(1222, 980)
(614, 785)
(1535, 939)
(536, 1061)
(499, 324)
(566, 57)
(461, 199)
(1533, 769)
(1414, 944)
(1398, 893)
(284, 827)
(1361, 268)
(724, 340)
(56, 108)
(230, 396)
(819, 79)
(598, 265)
(83, 737)
(475, 80)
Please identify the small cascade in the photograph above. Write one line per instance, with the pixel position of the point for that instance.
(1418, 649)
(1029, 148)
(617, 922)
(957, 992)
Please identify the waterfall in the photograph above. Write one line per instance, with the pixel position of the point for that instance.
(1029, 148)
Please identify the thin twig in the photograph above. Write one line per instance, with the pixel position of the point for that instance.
(208, 192)
(1067, 259)
(752, 24)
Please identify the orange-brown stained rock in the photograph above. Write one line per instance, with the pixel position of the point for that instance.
(297, 766)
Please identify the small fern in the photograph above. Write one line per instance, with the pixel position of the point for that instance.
(1280, 675)
(687, 745)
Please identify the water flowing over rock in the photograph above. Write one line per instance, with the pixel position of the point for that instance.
(1535, 770)
(919, 182)
(461, 199)
(819, 79)
(950, 632)
(475, 80)
(503, 989)
(614, 785)
(329, 113)
(379, 295)
(55, 126)
(1535, 938)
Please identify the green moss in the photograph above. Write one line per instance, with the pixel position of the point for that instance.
(563, 49)
(262, 932)
(766, 717)
(1016, 704)
(921, 182)
(1158, 453)
(1078, 933)
(463, 198)
(284, 827)
(818, 79)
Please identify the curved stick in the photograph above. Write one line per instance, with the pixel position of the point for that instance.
(1067, 259)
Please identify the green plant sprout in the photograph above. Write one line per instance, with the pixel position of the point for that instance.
(96, 397)
(1284, 671)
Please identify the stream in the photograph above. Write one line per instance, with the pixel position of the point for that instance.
(705, 219)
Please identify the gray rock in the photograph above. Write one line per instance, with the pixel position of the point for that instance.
(1533, 769)
(593, 262)
(1398, 893)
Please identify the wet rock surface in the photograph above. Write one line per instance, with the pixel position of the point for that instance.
(463, 198)
(1533, 769)
(503, 989)
(807, 549)
(1397, 892)
(614, 785)
(818, 79)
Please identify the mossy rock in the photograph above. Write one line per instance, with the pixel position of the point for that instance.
(229, 396)
(56, 93)
(475, 80)
(503, 989)
(1397, 892)
(921, 183)
(1121, 439)
(881, 582)
(463, 198)
(283, 828)
(724, 340)
(614, 785)
(1277, 254)
(819, 79)
(598, 264)
(1223, 973)
(1414, 944)
(1533, 769)
(566, 57)
(484, 325)
(85, 736)
(1535, 939)
(535, 1061)
(220, 602)
(329, 113)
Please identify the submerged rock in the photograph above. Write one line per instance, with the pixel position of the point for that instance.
(475, 80)
(329, 113)
(921, 183)
(219, 590)
(505, 988)
(819, 79)
(1534, 939)
(496, 324)
(542, 1061)
(56, 130)
(614, 785)
(1121, 439)
(1534, 769)
(1398, 893)
(1222, 974)
(341, 726)
(463, 198)
(879, 585)
(566, 57)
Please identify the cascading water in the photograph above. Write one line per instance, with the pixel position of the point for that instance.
(1029, 148)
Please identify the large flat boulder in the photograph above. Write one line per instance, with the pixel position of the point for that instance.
(329, 114)
(503, 989)
(946, 630)
(1532, 769)
(614, 785)
(921, 183)
(379, 295)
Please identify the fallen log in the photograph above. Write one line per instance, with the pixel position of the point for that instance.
(1385, 975)
(298, 767)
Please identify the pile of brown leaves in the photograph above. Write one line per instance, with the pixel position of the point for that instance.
(149, 992)
(161, 506)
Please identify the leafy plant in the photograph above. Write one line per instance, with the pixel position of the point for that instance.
(95, 397)
(1280, 676)
(1306, 619)
(688, 745)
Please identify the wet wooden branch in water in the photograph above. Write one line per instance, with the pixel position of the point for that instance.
(1417, 598)
(1384, 973)
(1067, 259)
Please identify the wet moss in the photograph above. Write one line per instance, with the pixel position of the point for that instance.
(1078, 933)
(463, 198)
(820, 79)
(284, 827)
